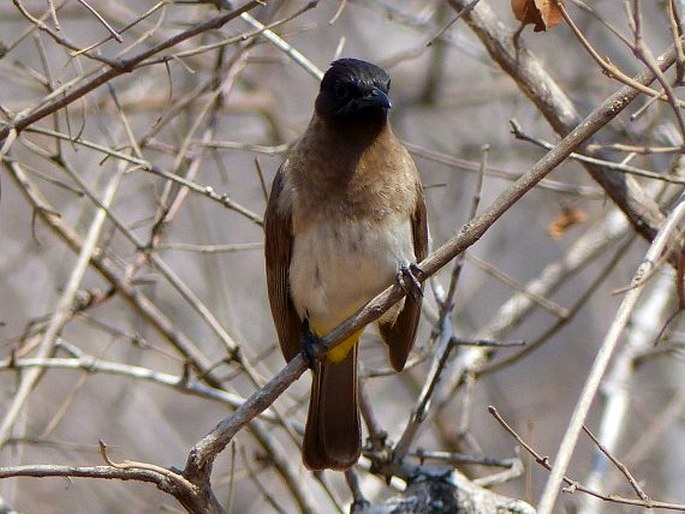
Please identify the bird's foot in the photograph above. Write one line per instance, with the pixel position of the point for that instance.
(309, 343)
(406, 278)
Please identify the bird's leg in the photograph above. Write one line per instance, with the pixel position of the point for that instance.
(406, 278)
(309, 342)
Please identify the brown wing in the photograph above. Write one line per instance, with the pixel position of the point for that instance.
(399, 336)
(277, 252)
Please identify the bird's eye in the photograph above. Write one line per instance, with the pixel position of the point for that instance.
(340, 90)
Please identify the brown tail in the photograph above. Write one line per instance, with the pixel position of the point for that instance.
(332, 437)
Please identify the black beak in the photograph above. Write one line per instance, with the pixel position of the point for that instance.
(375, 98)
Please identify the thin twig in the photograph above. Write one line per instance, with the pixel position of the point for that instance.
(573, 485)
(623, 168)
(62, 310)
(121, 67)
(99, 17)
(568, 443)
(532, 78)
(622, 467)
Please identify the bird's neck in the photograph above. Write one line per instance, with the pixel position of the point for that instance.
(362, 129)
(347, 140)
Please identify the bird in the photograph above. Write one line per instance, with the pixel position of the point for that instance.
(345, 219)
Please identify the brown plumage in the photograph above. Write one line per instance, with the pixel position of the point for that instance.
(345, 216)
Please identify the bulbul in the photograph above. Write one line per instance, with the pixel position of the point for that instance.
(346, 217)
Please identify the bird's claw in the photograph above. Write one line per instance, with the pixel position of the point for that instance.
(406, 278)
(309, 345)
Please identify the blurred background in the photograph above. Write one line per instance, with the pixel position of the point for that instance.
(178, 289)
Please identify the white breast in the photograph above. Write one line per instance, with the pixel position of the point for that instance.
(338, 266)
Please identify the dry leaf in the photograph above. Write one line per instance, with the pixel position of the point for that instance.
(543, 14)
(569, 217)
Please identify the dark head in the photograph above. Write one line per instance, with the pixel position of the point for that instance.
(354, 90)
